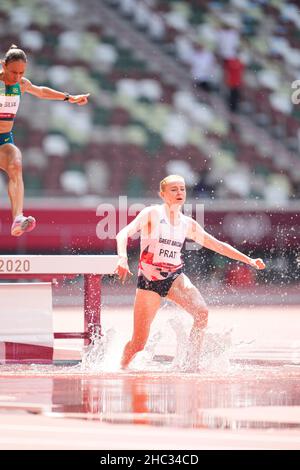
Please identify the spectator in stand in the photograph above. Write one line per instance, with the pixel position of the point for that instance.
(229, 41)
(233, 77)
(204, 188)
(203, 67)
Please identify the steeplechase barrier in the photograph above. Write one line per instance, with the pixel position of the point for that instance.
(16, 299)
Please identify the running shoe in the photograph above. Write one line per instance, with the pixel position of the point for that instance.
(22, 224)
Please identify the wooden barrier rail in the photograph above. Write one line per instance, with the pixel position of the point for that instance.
(49, 267)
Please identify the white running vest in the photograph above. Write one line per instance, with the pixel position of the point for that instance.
(161, 250)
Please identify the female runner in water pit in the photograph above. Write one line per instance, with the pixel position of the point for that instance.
(163, 230)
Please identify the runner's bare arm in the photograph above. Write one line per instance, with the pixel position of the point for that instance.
(199, 235)
(46, 93)
(141, 220)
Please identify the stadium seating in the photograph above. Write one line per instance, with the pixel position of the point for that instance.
(138, 124)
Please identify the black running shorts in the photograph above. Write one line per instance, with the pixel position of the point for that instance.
(160, 287)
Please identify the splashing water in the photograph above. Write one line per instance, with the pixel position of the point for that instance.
(181, 355)
(216, 350)
(96, 357)
(212, 352)
(144, 359)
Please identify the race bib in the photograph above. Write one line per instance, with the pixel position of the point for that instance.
(9, 106)
(167, 252)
